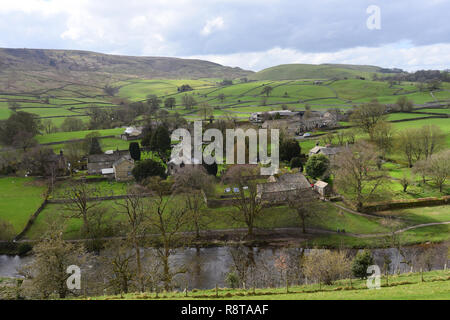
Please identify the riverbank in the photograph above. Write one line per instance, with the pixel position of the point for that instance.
(426, 285)
(284, 237)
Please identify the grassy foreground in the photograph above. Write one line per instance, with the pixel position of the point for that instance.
(435, 285)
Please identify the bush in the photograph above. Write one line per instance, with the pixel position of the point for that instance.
(326, 266)
(360, 264)
(296, 162)
(317, 165)
(232, 280)
(148, 168)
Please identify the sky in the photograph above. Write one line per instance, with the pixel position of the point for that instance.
(251, 34)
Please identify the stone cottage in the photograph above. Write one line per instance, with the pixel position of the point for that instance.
(122, 169)
(286, 185)
(327, 151)
(97, 162)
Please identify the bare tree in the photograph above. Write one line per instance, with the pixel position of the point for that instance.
(304, 203)
(326, 266)
(135, 211)
(48, 270)
(246, 199)
(367, 116)
(356, 172)
(383, 137)
(432, 139)
(167, 218)
(80, 205)
(407, 143)
(405, 182)
(438, 168)
(117, 266)
(421, 168)
(193, 184)
(242, 259)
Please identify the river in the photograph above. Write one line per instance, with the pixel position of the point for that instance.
(209, 266)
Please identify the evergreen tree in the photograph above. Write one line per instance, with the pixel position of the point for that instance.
(135, 151)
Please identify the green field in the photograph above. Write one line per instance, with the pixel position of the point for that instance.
(19, 199)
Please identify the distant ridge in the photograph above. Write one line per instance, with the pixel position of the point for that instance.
(60, 61)
(312, 71)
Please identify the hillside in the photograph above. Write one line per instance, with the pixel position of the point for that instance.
(312, 71)
(29, 69)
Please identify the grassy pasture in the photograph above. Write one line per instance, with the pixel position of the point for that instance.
(63, 136)
(408, 286)
(19, 199)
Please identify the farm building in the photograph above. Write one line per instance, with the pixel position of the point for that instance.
(122, 169)
(286, 185)
(132, 133)
(258, 117)
(327, 151)
(297, 122)
(322, 188)
(176, 165)
(58, 163)
(97, 162)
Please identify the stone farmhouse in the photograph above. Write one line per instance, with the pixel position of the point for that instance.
(260, 117)
(280, 189)
(58, 163)
(122, 169)
(176, 165)
(98, 162)
(330, 152)
(296, 122)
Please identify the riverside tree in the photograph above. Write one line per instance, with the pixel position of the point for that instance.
(134, 209)
(245, 200)
(48, 270)
(167, 218)
(193, 184)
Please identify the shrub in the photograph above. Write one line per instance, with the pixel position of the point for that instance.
(317, 165)
(326, 266)
(232, 280)
(296, 162)
(289, 149)
(360, 264)
(211, 168)
(148, 168)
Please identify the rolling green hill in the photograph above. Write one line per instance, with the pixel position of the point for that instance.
(312, 71)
